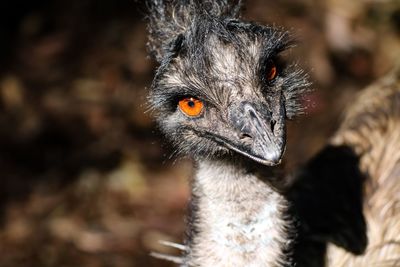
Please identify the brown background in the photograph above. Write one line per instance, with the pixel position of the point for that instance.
(85, 179)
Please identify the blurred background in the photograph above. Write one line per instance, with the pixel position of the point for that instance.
(85, 178)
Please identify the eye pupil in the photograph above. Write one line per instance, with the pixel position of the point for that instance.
(191, 104)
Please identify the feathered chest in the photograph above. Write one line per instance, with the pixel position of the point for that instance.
(238, 225)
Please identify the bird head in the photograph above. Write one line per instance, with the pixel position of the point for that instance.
(223, 88)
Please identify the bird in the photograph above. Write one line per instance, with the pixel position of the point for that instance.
(347, 198)
(221, 95)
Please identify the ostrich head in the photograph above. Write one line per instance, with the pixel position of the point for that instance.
(221, 87)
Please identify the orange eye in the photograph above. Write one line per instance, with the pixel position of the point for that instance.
(271, 72)
(191, 106)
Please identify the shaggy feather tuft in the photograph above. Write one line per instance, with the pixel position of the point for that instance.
(168, 19)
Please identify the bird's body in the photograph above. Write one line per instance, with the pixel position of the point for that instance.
(371, 127)
(347, 198)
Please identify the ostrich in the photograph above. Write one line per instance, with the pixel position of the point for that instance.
(349, 194)
(221, 95)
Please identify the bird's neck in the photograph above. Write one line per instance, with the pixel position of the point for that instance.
(237, 220)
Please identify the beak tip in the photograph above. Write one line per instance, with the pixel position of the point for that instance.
(276, 159)
(271, 158)
(272, 154)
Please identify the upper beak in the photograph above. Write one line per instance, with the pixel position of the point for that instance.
(261, 132)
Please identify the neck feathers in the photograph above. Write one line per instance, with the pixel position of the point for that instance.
(239, 220)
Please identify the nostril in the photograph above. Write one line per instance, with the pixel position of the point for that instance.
(245, 136)
(273, 123)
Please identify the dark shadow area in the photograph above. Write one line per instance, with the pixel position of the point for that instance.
(327, 199)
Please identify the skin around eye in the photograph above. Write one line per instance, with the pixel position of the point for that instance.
(191, 106)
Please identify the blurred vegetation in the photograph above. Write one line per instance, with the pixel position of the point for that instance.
(85, 178)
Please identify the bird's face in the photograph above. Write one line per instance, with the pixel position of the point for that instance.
(222, 89)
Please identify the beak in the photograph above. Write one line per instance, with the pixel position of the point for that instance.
(261, 132)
